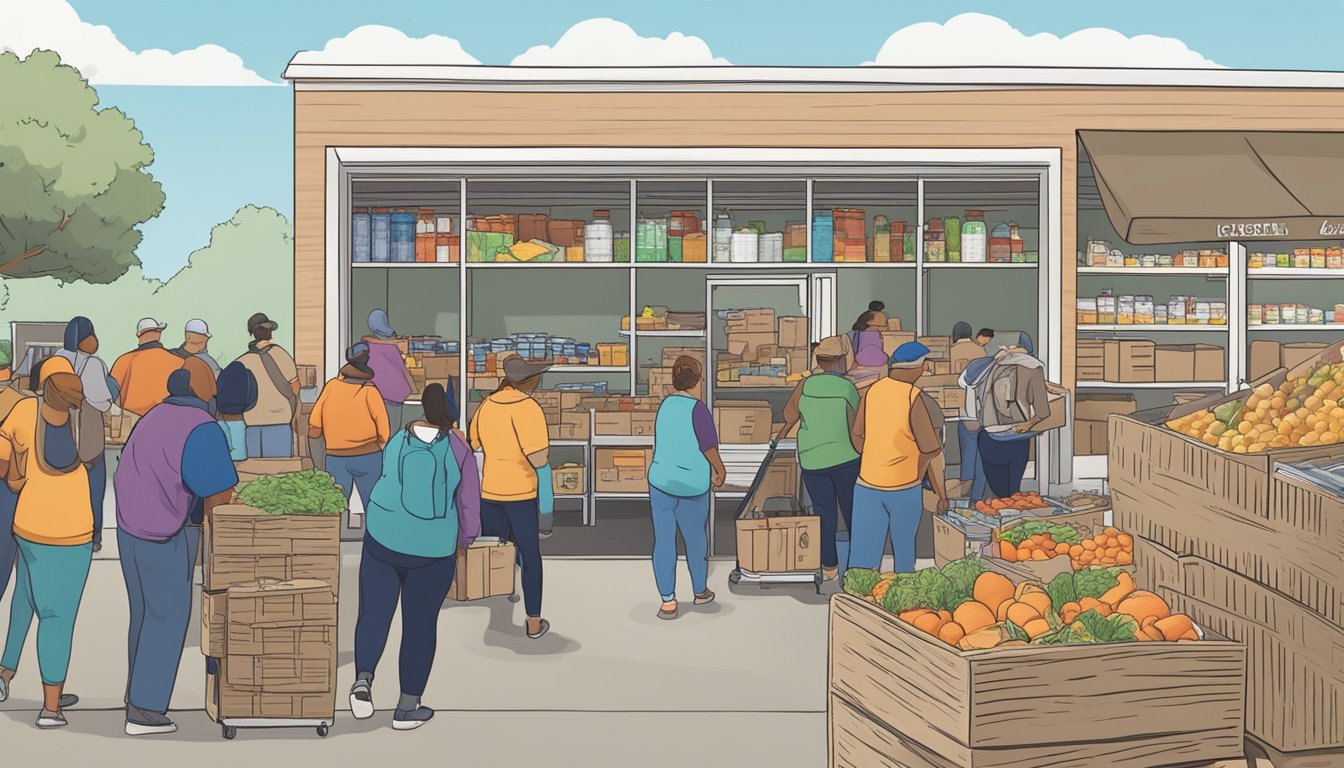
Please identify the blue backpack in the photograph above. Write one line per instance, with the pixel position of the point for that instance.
(421, 478)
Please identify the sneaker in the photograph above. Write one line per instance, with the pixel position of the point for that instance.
(47, 719)
(409, 720)
(542, 629)
(140, 722)
(361, 700)
(704, 598)
(668, 610)
(4, 689)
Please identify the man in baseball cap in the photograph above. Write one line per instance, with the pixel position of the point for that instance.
(198, 363)
(142, 374)
(270, 423)
(898, 433)
(196, 342)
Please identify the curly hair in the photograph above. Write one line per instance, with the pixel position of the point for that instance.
(686, 373)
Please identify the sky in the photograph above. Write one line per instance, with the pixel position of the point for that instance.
(222, 133)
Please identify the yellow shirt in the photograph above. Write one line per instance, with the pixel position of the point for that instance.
(54, 507)
(890, 452)
(352, 417)
(508, 427)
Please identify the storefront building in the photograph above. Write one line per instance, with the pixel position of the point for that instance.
(976, 195)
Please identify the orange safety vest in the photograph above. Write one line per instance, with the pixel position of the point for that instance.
(890, 453)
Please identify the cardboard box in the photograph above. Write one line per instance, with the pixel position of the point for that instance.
(1130, 361)
(1266, 357)
(574, 425)
(891, 340)
(955, 539)
(670, 355)
(1294, 656)
(743, 422)
(485, 569)
(793, 332)
(251, 469)
(1229, 509)
(1210, 363)
(1190, 362)
(568, 480)
(893, 323)
(798, 361)
(748, 345)
(282, 674)
(223, 700)
(241, 545)
(897, 693)
(214, 623)
(1297, 353)
(441, 367)
(564, 233)
(223, 571)
(622, 470)
(751, 321)
(641, 423)
(613, 423)
(779, 544)
(940, 347)
(1100, 406)
(1091, 360)
(298, 601)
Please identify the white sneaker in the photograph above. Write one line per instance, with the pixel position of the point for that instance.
(4, 689)
(361, 700)
(47, 719)
(145, 729)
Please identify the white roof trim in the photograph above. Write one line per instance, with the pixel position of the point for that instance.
(418, 76)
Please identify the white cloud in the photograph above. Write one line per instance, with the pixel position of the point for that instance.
(376, 44)
(608, 43)
(97, 53)
(976, 39)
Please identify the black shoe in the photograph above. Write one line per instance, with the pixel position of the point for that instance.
(409, 720)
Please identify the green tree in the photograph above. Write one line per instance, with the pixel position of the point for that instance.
(247, 267)
(73, 178)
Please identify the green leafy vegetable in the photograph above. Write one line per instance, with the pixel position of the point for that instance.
(1059, 533)
(1228, 412)
(860, 581)
(928, 588)
(1116, 628)
(1062, 590)
(1095, 582)
(963, 573)
(311, 492)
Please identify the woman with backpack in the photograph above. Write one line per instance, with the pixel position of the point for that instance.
(1011, 398)
(423, 509)
(685, 466)
(53, 527)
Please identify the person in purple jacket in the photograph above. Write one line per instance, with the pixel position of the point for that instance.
(425, 507)
(175, 464)
(389, 369)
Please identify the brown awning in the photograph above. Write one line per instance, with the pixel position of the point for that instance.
(1202, 186)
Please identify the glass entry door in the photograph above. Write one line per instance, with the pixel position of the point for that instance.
(761, 328)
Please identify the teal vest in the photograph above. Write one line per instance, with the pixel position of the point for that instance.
(679, 468)
(412, 509)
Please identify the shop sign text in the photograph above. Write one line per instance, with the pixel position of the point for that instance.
(1255, 229)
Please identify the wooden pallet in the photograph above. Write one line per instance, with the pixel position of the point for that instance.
(1264, 756)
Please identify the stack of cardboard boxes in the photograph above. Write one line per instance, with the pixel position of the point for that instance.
(269, 613)
(939, 381)
(764, 351)
(1268, 356)
(1091, 413)
(1139, 361)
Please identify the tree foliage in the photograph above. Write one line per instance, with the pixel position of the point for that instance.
(74, 183)
(247, 267)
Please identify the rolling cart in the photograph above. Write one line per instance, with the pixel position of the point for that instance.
(230, 725)
(742, 576)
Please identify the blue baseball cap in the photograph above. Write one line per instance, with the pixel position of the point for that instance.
(911, 354)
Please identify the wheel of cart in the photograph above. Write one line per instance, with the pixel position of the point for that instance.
(229, 726)
(740, 575)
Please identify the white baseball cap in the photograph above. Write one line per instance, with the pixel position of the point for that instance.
(198, 326)
(148, 324)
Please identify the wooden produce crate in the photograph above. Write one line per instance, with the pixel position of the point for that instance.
(897, 694)
(242, 544)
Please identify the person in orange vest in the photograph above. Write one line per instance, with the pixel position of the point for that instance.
(897, 434)
(142, 374)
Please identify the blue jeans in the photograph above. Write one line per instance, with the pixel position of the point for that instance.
(831, 490)
(690, 515)
(519, 522)
(50, 585)
(419, 585)
(879, 514)
(1005, 463)
(97, 491)
(356, 472)
(970, 467)
(158, 577)
(9, 546)
(274, 441)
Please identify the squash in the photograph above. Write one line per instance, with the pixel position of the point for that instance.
(1038, 600)
(1142, 604)
(973, 615)
(951, 633)
(1025, 587)
(1021, 613)
(991, 589)
(1175, 626)
(914, 613)
(1121, 590)
(1036, 627)
(988, 637)
(1001, 613)
(1007, 552)
(930, 622)
(1069, 611)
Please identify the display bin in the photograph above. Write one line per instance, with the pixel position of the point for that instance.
(1228, 508)
(242, 544)
(1294, 656)
(897, 692)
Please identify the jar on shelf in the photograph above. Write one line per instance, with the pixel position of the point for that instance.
(974, 238)
(425, 242)
(1302, 258)
(380, 235)
(620, 247)
(823, 237)
(881, 238)
(1144, 313)
(403, 236)
(1018, 248)
(744, 247)
(360, 242)
(1334, 258)
(935, 247)
(723, 237)
(445, 247)
(1318, 258)
(1000, 245)
(952, 236)
(898, 241)
(598, 238)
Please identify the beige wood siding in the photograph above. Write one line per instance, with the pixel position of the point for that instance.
(1009, 118)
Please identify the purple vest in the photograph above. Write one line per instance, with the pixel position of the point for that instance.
(389, 371)
(152, 501)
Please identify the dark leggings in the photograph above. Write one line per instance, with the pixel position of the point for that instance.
(830, 489)
(420, 584)
(1005, 461)
(519, 522)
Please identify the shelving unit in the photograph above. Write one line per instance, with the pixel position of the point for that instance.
(1151, 385)
(1155, 328)
(1274, 273)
